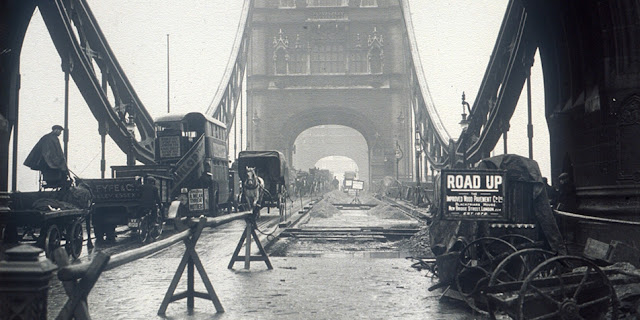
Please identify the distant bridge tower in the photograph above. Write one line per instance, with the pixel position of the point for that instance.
(331, 62)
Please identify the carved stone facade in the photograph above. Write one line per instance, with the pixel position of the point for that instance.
(590, 55)
(330, 62)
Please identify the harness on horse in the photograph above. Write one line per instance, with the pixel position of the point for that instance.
(253, 181)
(251, 184)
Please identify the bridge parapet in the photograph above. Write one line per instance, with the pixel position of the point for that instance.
(83, 49)
(431, 135)
(224, 103)
(508, 69)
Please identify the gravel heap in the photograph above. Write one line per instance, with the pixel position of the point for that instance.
(323, 209)
(418, 244)
(337, 196)
(385, 211)
(369, 199)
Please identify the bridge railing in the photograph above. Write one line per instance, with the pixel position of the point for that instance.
(78, 279)
(83, 48)
(507, 71)
(224, 103)
(432, 135)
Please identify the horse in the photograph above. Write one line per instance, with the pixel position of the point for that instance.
(253, 188)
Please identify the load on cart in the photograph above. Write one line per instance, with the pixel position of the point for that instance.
(271, 167)
(49, 219)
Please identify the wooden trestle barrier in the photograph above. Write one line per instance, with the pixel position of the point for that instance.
(191, 259)
(249, 231)
(78, 280)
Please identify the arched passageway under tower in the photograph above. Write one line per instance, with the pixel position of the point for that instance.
(321, 142)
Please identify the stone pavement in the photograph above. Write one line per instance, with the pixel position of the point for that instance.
(334, 287)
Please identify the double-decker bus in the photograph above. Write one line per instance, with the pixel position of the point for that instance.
(191, 166)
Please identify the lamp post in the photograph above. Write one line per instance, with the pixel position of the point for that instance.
(464, 124)
(399, 156)
(131, 128)
(418, 155)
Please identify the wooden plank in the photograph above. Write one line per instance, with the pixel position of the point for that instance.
(569, 281)
(216, 221)
(211, 293)
(263, 253)
(179, 296)
(78, 271)
(85, 285)
(252, 258)
(247, 245)
(62, 260)
(237, 250)
(169, 297)
(203, 295)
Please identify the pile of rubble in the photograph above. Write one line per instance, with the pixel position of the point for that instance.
(386, 211)
(323, 209)
(418, 244)
(337, 196)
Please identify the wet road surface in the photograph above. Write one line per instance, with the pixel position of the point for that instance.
(311, 279)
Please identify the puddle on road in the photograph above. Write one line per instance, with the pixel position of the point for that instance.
(363, 254)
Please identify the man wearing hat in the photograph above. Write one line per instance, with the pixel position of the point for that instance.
(47, 157)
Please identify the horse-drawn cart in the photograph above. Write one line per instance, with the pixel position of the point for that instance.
(271, 166)
(42, 218)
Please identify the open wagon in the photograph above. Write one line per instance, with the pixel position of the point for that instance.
(271, 166)
(43, 218)
(484, 214)
(526, 286)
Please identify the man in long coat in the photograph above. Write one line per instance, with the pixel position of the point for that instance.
(47, 157)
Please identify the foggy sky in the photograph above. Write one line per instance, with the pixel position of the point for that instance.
(455, 40)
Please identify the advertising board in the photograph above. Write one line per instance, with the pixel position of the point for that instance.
(169, 147)
(196, 199)
(114, 190)
(348, 183)
(357, 184)
(478, 195)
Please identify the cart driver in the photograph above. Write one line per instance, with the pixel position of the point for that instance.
(47, 157)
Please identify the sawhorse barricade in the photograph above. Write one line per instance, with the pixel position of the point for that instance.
(189, 260)
(249, 231)
(78, 280)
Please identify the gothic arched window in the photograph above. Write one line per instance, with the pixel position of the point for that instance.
(375, 60)
(280, 58)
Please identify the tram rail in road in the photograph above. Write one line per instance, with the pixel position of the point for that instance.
(334, 233)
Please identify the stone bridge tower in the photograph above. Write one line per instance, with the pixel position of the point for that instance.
(331, 62)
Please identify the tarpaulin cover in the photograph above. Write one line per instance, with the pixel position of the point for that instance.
(443, 234)
(270, 165)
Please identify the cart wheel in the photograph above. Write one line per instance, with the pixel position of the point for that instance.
(515, 268)
(73, 239)
(476, 263)
(52, 241)
(517, 265)
(143, 229)
(567, 287)
(155, 227)
(517, 240)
